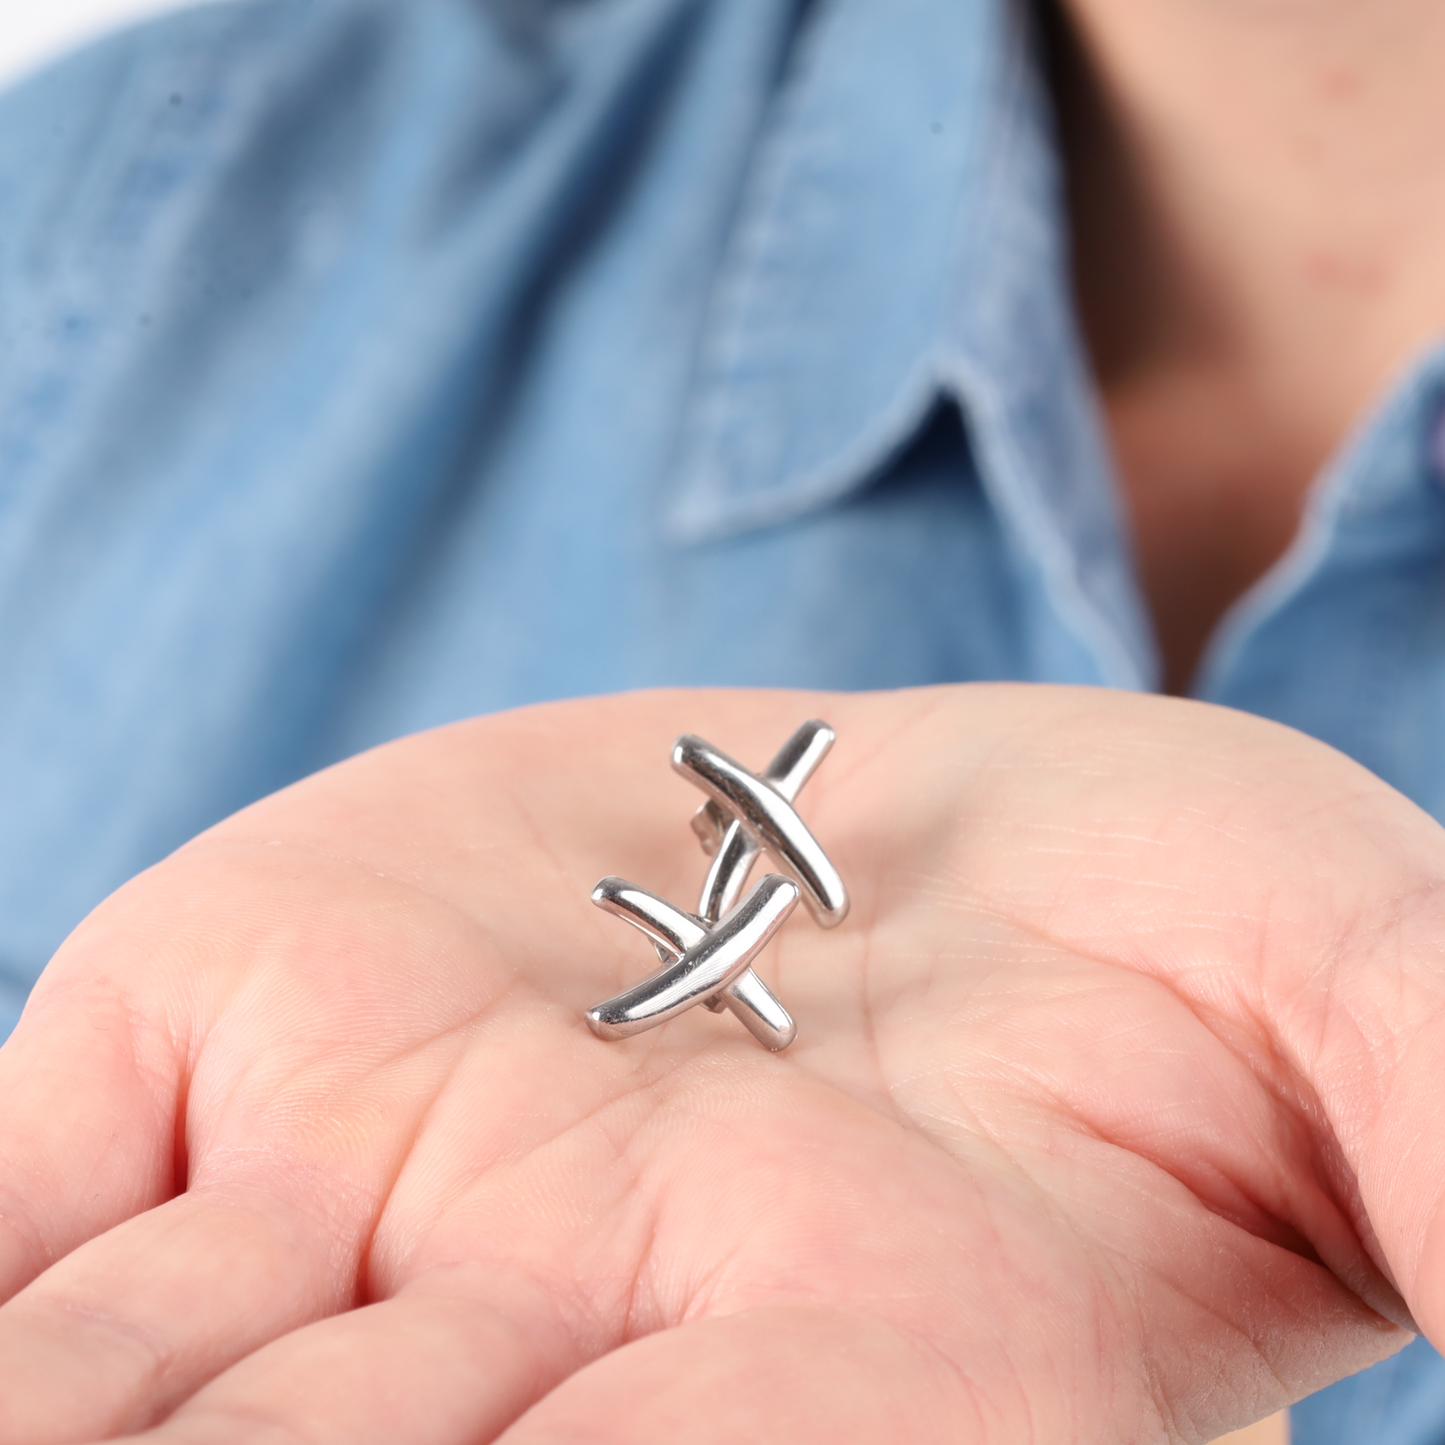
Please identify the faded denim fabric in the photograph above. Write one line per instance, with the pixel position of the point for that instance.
(366, 364)
(1400, 1401)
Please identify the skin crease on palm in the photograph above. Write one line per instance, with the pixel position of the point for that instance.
(1114, 1115)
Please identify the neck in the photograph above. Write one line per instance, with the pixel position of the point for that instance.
(1258, 190)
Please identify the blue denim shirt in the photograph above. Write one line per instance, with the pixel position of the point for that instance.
(368, 364)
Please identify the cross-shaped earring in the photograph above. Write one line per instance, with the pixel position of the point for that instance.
(707, 956)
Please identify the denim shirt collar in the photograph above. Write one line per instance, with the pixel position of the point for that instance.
(903, 241)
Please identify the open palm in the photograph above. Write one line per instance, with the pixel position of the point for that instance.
(1114, 1114)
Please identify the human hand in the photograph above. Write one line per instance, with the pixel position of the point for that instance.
(1114, 1113)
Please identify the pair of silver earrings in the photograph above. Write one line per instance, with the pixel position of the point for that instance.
(707, 957)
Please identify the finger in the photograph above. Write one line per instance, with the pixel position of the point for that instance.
(96, 1073)
(131, 1323)
(287, 1178)
(90, 1096)
(795, 1376)
(451, 1360)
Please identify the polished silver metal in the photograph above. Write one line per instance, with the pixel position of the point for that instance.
(707, 956)
(734, 850)
(762, 813)
(710, 958)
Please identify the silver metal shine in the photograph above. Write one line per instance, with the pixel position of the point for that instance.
(715, 958)
(707, 956)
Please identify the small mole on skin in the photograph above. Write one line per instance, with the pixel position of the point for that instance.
(176, 99)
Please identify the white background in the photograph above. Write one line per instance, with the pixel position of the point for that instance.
(34, 31)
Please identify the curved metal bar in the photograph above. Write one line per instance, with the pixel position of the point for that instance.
(734, 851)
(668, 927)
(716, 961)
(798, 758)
(758, 1009)
(728, 874)
(771, 818)
(794, 764)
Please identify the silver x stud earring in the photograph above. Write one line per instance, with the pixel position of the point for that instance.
(707, 956)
